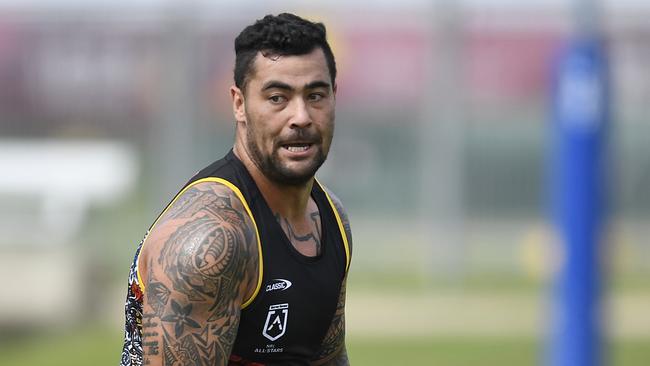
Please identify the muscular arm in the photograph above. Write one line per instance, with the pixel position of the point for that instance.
(333, 351)
(200, 260)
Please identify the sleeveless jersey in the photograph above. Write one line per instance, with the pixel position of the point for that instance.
(285, 320)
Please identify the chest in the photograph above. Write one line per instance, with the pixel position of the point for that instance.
(298, 295)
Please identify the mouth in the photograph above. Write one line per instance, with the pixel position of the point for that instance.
(297, 147)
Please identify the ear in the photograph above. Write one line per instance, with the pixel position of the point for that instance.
(334, 89)
(238, 106)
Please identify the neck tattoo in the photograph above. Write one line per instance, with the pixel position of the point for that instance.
(311, 238)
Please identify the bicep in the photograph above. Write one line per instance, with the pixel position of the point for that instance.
(194, 288)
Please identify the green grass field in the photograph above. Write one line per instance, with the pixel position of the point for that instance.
(102, 347)
(487, 322)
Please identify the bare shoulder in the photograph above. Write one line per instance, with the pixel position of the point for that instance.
(206, 231)
(202, 205)
(208, 198)
(342, 213)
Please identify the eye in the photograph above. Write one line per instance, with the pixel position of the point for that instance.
(276, 99)
(316, 97)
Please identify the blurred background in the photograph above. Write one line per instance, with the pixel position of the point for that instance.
(440, 156)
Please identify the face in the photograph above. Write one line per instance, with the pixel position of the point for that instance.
(286, 115)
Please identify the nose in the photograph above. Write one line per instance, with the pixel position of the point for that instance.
(301, 116)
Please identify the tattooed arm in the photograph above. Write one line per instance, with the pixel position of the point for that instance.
(333, 351)
(199, 264)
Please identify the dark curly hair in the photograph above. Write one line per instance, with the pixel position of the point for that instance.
(285, 34)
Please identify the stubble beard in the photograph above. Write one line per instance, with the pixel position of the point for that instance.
(273, 168)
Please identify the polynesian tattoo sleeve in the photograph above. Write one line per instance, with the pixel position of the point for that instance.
(333, 351)
(199, 268)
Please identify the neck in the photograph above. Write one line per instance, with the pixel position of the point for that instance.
(289, 201)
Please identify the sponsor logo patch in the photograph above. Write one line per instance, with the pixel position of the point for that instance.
(278, 284)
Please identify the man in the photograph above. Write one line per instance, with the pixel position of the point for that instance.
(248, 263)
